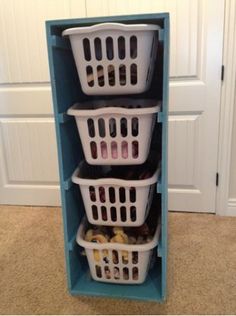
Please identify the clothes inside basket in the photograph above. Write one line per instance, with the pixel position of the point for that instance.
(133, 172)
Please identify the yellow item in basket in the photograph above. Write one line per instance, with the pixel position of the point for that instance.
(98, 238)
(118, 230)
(125, 256)
(121, 238)
(88, 235)
(96, 255)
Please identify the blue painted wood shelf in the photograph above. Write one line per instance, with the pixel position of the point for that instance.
(66, 91)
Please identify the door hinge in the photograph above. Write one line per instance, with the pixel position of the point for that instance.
(222, 72)
(217, 179)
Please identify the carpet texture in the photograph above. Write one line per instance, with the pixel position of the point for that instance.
(201, 267)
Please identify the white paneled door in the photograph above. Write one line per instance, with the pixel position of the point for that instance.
(28, 152)
(28, 155)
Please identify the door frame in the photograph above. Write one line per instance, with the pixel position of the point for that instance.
(228, 101)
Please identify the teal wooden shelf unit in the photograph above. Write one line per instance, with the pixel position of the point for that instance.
(66, 90)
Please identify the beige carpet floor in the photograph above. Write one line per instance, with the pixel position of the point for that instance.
(201, 269)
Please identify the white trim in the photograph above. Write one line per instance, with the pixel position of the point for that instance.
(231, 210)
(227, 107)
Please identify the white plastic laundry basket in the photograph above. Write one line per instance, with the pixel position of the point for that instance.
(118, 263)
(112, 201)
(113, 58)
(116, 132)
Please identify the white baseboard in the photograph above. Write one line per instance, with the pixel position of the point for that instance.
(231, 211)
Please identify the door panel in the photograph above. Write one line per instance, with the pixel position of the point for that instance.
(21, 163)
(27, 146)
(194, 118)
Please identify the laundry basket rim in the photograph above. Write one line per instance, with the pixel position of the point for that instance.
(77, 109)
(114, 181)
(115, 246)
(110, 26)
